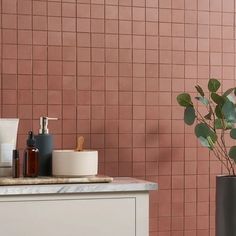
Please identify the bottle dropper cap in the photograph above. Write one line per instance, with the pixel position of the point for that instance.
(31, 140)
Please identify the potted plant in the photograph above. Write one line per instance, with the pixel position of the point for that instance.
(211, 129)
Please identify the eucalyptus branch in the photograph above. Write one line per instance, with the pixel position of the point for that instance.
(221, 116)
(222, 162)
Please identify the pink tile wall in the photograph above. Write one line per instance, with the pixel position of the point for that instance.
(110, 70)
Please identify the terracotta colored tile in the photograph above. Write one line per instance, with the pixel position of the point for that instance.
(9, 66)
(151, 29)
(125, 13)
(111, 168)
(125, 169)
(111, 98)
(228, 6)
(54, 8)
(9, 51)
(97, 98)
(83, 112)
(98, 112)
(69, 112)
(111, 26)
(9, 111)
(69, 24)
(111, 12)
(191, 4)
(25, 97)
(39, 8)
(9, 21)
(40, 96)
(9, 97)
(83, 126)
(9, 36)
(97, 141)
(69, 97)
(83, 10)
(54, 82)
(9, 6)
(97, 26)
(39, 22)
(164, 4)
(69, 39)
(25, 111)
(39, 37)
(24, 7)
(151, 14)
(54, 97)
(24, 22)
(54, 23)
(111, 126)
(151, 42)
(111, 141)
(68, 10)
(69, 141)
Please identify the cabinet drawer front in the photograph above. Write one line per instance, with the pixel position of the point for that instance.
(70, 217)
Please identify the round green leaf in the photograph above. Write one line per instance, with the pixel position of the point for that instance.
(229, 111)
(189, 115)
(233, 133)
(204, 142)
(184, 100)
(217, 98)
(218, 111)
(232, 153)
(202, 130)
(213, 85)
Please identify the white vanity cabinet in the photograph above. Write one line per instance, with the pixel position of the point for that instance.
(120, 208)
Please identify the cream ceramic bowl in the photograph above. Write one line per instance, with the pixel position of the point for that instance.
(73, 163)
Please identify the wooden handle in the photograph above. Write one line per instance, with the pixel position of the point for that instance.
(80, 143)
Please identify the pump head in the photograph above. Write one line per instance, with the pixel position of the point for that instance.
(44, 124)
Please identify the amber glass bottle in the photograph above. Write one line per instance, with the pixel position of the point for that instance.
(31, 158)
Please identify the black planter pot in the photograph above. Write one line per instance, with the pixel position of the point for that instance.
(226, 206)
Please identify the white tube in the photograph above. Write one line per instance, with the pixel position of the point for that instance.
(8, 137)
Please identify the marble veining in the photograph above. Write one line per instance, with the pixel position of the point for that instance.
(119, 184)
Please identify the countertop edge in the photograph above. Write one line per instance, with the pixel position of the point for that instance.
(119, 184)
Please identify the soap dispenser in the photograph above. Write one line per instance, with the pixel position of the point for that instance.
(44, 142)
(31, 157)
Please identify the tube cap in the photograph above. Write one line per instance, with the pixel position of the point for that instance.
(15, 154)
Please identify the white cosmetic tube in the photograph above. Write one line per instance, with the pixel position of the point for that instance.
(8, 137)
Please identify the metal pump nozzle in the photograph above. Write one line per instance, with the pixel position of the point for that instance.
(44, 124)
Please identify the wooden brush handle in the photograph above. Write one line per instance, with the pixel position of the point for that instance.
(80, 143)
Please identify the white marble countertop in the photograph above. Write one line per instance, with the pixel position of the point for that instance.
(119, 184)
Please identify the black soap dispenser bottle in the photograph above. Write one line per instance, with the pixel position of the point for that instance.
(31, 159)
(44, 142)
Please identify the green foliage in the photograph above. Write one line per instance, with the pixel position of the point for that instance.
(200, 90)
(189, 115)
(184, 99)
(219, 100)
(232, 153)
(203, 130)
(220, 116)
(203, 100)
(229, 112)
(213, 85)
(233, 133)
